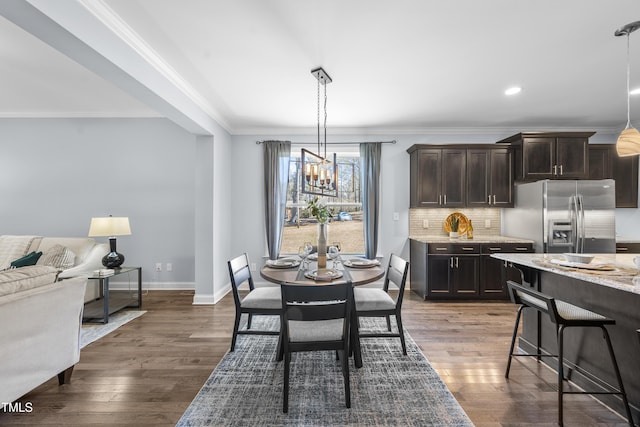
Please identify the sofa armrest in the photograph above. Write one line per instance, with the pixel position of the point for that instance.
(92, 262)
(40, 335)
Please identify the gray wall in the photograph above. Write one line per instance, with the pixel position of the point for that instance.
(55, 174)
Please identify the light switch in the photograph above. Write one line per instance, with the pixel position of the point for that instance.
(396, 216)
(425, 223)
(487, 223)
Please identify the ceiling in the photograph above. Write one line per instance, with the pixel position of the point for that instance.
(397, 66)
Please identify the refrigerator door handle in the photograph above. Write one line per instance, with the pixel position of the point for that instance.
(581, 220)
(573, 215)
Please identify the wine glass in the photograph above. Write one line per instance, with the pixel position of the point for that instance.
(302, 253)
(308, 248)
(333, 254)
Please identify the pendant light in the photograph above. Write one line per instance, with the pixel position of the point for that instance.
(320, 175)
(628, 143)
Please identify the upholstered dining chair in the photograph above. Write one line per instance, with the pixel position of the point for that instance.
(259, 301)
(376, 302)
(316, 318)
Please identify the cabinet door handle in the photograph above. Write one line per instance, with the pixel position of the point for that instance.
(560, 169)
(445, 199)
(520, 248)
(440, 199)
(441, 249)
(494, 199)
(489, 197)
(622, 249)
(451, 262)
(555, 170)
(495, 249)
(466, 248)
(456, 262)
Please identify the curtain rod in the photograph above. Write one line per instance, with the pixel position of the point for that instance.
(339, 143)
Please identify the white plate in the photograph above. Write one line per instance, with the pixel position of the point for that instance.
(314, 256)
(323, 274)
(283, 263)
(361, 263)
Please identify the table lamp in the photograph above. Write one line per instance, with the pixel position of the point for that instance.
(111, 227)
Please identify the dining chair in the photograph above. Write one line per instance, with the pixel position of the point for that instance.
(316, 318)
(259, 301)
(376, 302)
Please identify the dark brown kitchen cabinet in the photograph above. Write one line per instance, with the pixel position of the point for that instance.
(493, 273)
(604, 163)
(628, 248)
(445, 270)
(550, 155)
(489, 177)
(437, 177)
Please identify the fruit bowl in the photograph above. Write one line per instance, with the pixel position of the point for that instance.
(581, 258)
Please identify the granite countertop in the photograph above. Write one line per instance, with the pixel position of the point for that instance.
(476, 239)
(625, 277)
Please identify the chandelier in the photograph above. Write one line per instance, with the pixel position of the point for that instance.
(628, 143)
(320, 174)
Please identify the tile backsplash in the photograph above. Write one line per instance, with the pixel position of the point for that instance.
(480, 218)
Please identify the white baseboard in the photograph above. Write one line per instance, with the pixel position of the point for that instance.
(154, 286)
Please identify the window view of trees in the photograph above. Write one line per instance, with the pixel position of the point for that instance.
(345, 228)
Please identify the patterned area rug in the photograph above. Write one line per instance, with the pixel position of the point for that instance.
(92, 332)
(390, 389)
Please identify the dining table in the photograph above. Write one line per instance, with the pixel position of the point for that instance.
(356, 270)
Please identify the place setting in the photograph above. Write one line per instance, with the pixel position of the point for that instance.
(361, 263)
(283, 263)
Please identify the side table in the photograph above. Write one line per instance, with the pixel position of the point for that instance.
(111, 301)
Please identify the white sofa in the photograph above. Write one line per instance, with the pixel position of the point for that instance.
(41, 320)
(87, 255)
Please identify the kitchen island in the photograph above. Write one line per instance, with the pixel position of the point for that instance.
(614, 293)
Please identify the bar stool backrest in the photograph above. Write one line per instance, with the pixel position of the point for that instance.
(531, 298)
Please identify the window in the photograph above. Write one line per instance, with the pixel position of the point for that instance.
(346, 226)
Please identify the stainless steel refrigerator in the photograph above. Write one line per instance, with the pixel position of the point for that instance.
(564, 216)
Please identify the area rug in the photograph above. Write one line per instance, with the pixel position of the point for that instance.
(92, 332)
(390, 389)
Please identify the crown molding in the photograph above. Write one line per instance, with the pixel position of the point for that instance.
(101, 11)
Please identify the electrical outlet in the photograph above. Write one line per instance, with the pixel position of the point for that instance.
(158, 266)
(169, 266)
(425, 223)
(487, 223)
(253, 266)
(396, 216)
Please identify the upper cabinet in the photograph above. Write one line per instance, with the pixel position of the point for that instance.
(489, 177)
(550, 155)
(604, 163)
(460, 175)
(437, 177)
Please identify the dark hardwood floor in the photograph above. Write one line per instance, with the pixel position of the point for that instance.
(147, 372)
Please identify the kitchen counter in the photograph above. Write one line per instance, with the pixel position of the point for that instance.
(615, 294)
(476, 239)
(625, 278)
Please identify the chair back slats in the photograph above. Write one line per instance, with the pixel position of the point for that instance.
(396, 274)
(239, 272)
(313, 303)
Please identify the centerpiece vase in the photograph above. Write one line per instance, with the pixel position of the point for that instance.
(322, 245)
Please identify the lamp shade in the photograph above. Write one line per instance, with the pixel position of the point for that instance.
(109, 226)
(628, 143)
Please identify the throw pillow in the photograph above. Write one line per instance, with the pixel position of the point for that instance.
(28, 259)
(58, 256)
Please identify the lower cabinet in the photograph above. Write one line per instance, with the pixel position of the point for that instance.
(461, 270)
(493, 273)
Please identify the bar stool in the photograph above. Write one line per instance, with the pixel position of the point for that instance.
(563, 315)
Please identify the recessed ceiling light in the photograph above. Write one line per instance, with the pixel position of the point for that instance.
(635, 91)
(513, 90)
